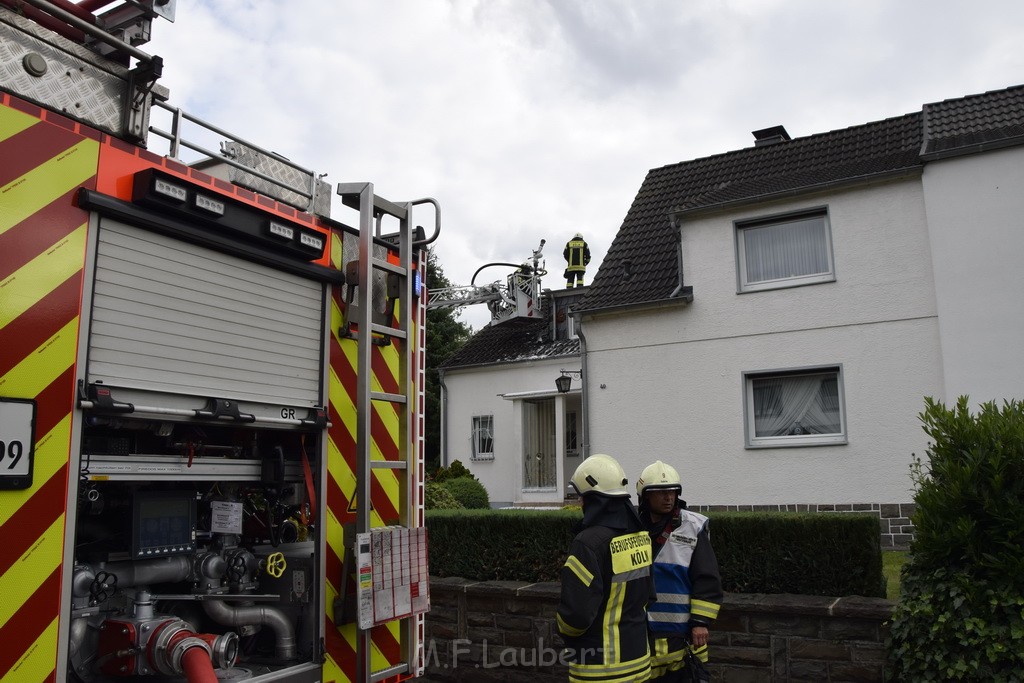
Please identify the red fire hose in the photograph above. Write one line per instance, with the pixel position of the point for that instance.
(175, 649)
(197, 666)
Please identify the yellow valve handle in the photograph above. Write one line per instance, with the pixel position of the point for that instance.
(276, 565)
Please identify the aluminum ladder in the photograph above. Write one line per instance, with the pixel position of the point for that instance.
(372, 210)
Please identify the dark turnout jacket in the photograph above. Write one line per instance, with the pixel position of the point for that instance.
(606, 585)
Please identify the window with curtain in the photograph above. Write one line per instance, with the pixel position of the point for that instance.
(784, 252)
(795, 408)
(483, 437)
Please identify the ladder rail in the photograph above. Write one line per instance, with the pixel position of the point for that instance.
(364, 297)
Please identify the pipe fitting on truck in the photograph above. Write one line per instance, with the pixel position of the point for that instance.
(162, 645)
(148, 572)
(247, 615)
(208, 570)
(175, 649)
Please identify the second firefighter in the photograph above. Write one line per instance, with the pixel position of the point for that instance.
(689, 587)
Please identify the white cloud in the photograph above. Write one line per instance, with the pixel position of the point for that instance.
(533, 119)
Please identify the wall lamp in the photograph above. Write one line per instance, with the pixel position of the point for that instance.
(564, 381)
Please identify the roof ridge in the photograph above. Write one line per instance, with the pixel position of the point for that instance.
(987, 93)
(789, 143)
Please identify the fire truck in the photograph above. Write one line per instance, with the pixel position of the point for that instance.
(211, 391)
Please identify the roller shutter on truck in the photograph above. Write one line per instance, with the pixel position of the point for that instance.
(175, 317)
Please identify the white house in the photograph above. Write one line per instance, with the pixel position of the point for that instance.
(769, 320)
(503, 416)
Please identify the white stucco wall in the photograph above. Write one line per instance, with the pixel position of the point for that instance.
(480, 391)
(668, 383)
(975, 209)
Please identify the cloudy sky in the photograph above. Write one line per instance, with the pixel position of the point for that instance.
(534, 119)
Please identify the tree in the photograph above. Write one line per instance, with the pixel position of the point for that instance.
(961, 611)
(445, 335)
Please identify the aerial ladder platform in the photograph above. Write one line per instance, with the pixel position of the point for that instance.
(517, 297)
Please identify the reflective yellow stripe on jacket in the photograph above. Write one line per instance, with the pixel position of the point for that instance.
(623, 672)
(664, 659)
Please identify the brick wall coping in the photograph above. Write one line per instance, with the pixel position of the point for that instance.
(853, 606)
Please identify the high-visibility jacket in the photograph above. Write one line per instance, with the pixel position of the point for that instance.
(576, 255)
(689, 588)
(606, 584)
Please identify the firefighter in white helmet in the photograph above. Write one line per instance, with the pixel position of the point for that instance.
(606, 581)
(685, 573)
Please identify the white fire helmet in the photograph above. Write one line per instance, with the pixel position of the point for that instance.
(658, 475)
(600, 474)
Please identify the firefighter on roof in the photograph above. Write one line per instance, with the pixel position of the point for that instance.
(606, 581)
(577, 256)
(685, 573)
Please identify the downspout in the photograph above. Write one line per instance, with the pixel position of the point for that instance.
(444, 417)
(585, 384)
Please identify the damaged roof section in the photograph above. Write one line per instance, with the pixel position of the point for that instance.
(513, 341)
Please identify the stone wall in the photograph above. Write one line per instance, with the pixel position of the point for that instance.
(895, 525)
(502, 631)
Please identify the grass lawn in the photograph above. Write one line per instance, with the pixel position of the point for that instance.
(892, 562)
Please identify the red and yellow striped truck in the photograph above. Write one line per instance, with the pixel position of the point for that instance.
(203, 379)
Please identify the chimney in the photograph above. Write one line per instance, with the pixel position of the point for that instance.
(769, 136)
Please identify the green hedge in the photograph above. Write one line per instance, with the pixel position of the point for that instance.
(807, 553)
(810, 554)
(486, 545)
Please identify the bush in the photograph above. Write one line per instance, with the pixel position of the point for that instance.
(437, 497)
(960, 616)
(454, 471)
(470, 493)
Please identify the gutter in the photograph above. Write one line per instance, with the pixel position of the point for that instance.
(491, 364)
(975, 148)
(636, 306)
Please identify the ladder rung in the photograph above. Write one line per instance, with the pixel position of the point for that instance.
(389, 464)
(393, 398)
(388, 265)
(389, 331)
(351, 193)
(390, 208)
(389, 672)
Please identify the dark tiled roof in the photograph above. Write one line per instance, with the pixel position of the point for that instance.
(640, 267)
(988, 119)
(519, 339)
